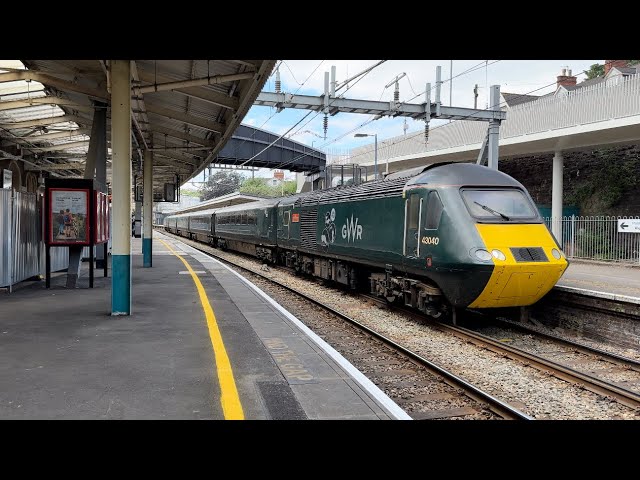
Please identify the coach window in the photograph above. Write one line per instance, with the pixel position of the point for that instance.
(433, 212)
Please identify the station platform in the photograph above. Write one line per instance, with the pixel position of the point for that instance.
(612, 280)
(217, 350)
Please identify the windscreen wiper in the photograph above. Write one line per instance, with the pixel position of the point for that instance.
(489, 209)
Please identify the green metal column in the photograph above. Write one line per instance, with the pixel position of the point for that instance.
(121, 186)
(147, 209)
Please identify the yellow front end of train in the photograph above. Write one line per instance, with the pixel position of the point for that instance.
(529, 264)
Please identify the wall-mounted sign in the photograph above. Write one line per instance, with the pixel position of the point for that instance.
(169, 192)
(629, 225)
(7, 178)
(68, 216)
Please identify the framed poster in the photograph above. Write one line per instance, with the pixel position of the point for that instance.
(69, 216)
(105, 217)
(103, 213)
(98, 217)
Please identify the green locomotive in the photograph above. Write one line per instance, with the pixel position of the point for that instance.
(442, 236)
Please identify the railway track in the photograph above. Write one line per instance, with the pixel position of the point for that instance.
(424, 389)
(549, 362)
(587, 360)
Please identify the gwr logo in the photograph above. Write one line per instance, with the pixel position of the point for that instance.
(351, 230)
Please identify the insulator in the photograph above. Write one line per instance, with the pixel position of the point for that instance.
(326, 125)
(278, 82)
(396, 96)
(426, 132)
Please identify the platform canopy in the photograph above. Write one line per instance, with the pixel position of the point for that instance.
(185, 111)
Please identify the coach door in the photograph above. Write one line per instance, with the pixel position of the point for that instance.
(284, 221)
(412, 216)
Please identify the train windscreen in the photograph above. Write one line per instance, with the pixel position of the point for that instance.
(502, 204)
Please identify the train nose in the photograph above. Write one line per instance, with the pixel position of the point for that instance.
(522, 273)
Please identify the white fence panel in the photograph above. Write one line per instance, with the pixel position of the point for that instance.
(597, 238)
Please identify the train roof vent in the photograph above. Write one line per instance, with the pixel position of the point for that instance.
(368, 190)
(410, 172)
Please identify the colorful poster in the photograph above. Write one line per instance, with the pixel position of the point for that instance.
(68, 216)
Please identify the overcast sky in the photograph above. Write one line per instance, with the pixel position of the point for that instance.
(307, 77)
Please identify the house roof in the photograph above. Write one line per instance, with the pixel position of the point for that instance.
(513, 99)
(626, 70)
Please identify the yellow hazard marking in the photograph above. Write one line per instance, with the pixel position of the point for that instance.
(229, 398)
(515, 283)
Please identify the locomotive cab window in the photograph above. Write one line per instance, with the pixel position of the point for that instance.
(431, 215)
(498, 205)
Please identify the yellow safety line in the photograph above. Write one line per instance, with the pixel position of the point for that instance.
(230, 400)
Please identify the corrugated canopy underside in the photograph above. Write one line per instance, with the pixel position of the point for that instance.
(184, 110)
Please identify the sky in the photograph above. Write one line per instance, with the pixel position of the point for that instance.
(536, 77)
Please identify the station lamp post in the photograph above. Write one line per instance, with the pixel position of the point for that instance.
(375, 155)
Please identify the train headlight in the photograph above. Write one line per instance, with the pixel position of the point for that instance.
(483, 255)
(498, 254)
(556, 254)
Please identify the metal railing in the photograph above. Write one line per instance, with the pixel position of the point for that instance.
(597, 238)
(597, 103)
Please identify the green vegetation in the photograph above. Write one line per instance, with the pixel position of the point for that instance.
(259, 186)
(595, 70)
(224, 182)
(190, 193)
(221, 183)
(603, 189)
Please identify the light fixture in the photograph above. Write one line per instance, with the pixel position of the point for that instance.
(375, 159)
(483, 255)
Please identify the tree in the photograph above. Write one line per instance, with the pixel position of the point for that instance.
(256, 186)
(596, 70)
(189, 193)
(259, 186)
(221, 183)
